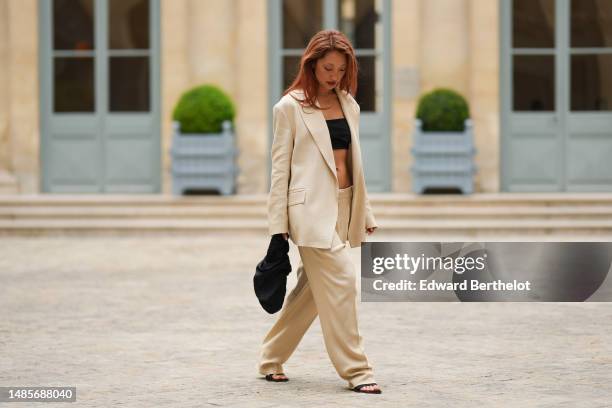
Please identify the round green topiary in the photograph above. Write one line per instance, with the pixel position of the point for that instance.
(443, 110)
(203, 109)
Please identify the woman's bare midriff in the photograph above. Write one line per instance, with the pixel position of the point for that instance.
(333, 110)
(345, 178)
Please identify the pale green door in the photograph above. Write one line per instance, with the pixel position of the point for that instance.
(556, 95)
(99, 85)
(367, 25)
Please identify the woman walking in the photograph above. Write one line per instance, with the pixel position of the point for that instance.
(318, 198)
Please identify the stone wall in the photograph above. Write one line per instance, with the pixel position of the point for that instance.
(19, 115)
(435, 43)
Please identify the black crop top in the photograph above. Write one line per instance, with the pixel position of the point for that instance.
(339, 132)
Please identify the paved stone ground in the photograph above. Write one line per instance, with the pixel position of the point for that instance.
(171, 321)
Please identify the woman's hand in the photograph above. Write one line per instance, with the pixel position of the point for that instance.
(371, 230)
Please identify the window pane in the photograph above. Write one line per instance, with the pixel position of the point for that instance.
(591, 22)
(290, 70)
(129, 84)
(129, 24)
(73, 27)
(73, 88)
(534, 83)
(359, 20)
(533, 23)
(301, 20)
(591, 83)
(369, 84)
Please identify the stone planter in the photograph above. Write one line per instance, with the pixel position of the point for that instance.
(443, 159)
(204, 161)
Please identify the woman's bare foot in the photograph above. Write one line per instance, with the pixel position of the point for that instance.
(277, 377)
(371, 388)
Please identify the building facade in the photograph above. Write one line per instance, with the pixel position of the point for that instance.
(87, 87)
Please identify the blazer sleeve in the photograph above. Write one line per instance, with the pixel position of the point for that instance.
(281, 152)
(370, 220)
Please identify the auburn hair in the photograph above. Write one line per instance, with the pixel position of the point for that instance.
(318, 46)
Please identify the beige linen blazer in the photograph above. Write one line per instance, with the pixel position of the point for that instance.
(303, 197)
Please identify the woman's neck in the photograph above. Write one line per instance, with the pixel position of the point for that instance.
(325, 93)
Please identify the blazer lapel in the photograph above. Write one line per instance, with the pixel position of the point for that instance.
(315, 122)
(352, 117)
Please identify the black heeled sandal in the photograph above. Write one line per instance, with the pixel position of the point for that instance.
(270, 377)
(359, 387)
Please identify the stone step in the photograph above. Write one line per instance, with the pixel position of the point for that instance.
(543, 214)
(505, 199)
(213, 211)
(424, 227)
(378, 199)
(119, 212)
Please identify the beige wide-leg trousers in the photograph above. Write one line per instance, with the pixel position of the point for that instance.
(326, 286)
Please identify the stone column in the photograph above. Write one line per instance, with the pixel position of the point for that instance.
(484, 91)
(8, 183)
(5, 162)
(445, 45)
(19, 113)
(252, 96)
(23, 90)
(175, 74)
(212, 44)
(406, 52)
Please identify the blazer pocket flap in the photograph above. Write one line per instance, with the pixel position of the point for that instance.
(297, 196)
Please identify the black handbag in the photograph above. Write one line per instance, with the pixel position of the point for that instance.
(270, 280)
